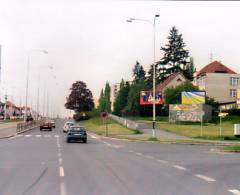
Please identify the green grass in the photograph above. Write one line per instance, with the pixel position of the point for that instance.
(210, 131)
(96, 125)
(234, 148)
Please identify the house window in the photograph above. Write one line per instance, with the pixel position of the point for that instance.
(233, 81)
(233, 92)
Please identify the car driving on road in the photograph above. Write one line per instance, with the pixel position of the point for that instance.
(46, 125)
(66, 126)
(77, 133)
(53, 123)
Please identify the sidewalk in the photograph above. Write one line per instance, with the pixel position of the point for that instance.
(7, 129)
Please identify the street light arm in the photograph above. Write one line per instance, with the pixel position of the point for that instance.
(139, 19)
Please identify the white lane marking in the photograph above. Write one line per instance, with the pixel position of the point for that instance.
(162, 161)
(59, 154)
(11, 137)
(47, 136)
(63, 189)
(61, 171)
(28, 136)
(58, 145)
(130, 151)
(104, 142)
(234, 191)
(179, 167)
(209, 179)
(19, 135)
(92, 136)
(38, 135)
(138, 153)
(56, 135)
(60, 160)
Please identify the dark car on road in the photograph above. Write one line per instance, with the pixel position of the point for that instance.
(46, 125)
(77, 133)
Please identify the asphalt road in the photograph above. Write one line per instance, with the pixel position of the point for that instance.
(42, 163)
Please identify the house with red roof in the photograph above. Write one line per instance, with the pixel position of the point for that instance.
(220, 82)
(173, 80)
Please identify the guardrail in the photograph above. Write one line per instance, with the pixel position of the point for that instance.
(27, 125)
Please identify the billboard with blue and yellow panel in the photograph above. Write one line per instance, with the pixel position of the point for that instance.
(193, 97)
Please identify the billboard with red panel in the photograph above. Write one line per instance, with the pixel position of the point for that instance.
(146, 98)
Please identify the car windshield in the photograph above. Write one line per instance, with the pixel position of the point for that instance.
(77, 129)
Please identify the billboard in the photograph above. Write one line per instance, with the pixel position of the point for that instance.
(194, 97)
(146, 98)
(238, 96)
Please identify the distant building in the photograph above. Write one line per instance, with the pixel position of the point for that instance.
(173, 80)
(219, 82)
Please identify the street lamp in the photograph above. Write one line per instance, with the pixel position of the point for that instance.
(153, 23)
(27, 79)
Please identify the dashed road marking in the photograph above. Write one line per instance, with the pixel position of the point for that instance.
(150, 157)
(56, 135)
(59, 154)
(179, 167)
(19, 135)
(28, 136)
(138, 153)
(130, 151)
(162, 161)
(234, 191)
(38, 135)
(61, 171)
(208, 179)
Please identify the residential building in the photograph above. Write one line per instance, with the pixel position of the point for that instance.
(173, 80)
(219, 82)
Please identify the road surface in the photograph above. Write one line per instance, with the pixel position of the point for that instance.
(42, 163)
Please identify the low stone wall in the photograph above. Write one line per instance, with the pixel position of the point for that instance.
(125, 122)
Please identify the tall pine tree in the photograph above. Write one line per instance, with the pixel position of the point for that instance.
(175, 57)
(190, 69)
(138, 73)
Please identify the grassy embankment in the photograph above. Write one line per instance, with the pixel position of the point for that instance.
(98, 126)
(193, 129)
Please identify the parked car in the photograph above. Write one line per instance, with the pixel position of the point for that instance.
(77, 133)
(66, 126)
(46, 125)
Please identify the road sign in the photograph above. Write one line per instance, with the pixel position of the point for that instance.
(104, 115)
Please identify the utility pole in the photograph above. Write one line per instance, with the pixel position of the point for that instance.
(5, 107)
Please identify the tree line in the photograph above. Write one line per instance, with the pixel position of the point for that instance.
(175, 59)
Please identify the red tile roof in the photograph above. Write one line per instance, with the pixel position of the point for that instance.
(162, 85)
(216, 67)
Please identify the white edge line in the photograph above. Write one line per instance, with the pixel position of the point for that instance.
(209, 179)
(179, 167)
(234, 191)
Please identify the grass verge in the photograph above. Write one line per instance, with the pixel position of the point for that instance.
(98, 126)
(234, 148)
(210, 131)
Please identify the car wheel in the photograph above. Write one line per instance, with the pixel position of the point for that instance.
(68, 140)
(50, 129)
(40, 129)
(85, 141)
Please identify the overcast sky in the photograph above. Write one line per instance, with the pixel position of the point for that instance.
(92, 42)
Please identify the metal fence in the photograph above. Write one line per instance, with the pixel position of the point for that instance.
(27, 125)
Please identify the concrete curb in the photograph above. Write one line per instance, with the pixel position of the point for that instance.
(13, 135)
(179, 142)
